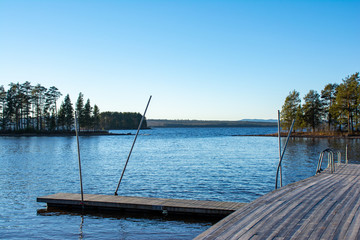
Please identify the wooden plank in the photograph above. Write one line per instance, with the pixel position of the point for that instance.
(315, 218)
(339, 216)
(325, 206)
(172, 206)
(288, 212)
(271, 209)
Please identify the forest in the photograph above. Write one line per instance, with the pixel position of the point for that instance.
(25, 108)
(121, 120)
(335, 109)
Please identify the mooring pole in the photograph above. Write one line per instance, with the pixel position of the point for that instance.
(282, 154)
(127, 160)
(279, 138)
(78, 148)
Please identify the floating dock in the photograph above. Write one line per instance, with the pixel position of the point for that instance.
(142, 205)
(325, 206)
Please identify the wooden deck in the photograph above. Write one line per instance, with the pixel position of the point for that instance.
(142, 204)
(325, 206)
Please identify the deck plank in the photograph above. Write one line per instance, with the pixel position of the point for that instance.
(267, 216)
(325, 206)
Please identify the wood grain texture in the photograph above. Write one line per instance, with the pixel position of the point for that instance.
(144, 204)
(325, 206)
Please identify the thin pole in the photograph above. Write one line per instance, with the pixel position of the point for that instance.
(127, 160)
(282, 155)
(78, 148)
(346, 155)
(279, 137)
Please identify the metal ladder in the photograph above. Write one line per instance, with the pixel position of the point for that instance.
(331, 163)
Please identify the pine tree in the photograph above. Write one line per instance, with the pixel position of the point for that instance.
(87, 115)
(289, 109)
(38, 98)
(12, 109)
(79, 107)
(313, 110)
(96, 117)
(26, 89)
(61, 117)
(52, 95)
(328, 94)
(68, 113)
(300, 123)
(347, 100)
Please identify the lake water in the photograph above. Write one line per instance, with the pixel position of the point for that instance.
(187, 163)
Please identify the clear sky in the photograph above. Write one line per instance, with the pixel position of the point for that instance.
(208, 60)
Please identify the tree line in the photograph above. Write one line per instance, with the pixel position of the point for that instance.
(335, 109)
(121, 120)
(28, 108)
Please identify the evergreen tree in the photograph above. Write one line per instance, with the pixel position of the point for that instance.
(61, 117)
(328, 94)
(87, 115)
(52, 95)
(26, 89)
(13, 106)
(300, 123)
(347, 100)
(38, 98)
(289, 109)
(96, 117)
(79, 107)
(312, 109)
(68, 113)
(51, 123)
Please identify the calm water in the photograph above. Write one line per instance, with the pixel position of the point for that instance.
(194, 163)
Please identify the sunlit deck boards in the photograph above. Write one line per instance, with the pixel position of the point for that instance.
(326, 206)
(142, 204)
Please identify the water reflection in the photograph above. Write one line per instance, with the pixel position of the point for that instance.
(81, 234)
(131, 225)
(302, 155)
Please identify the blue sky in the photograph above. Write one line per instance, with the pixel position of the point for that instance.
(209, 60)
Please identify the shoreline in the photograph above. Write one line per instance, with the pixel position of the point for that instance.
(107, 133)
(306, 135)
(65, 134)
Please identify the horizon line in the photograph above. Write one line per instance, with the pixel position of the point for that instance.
(246, 119)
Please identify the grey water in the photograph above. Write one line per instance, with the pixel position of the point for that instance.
(186, 163)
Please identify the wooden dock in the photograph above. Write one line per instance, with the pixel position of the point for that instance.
(142, 205)
(325, 206)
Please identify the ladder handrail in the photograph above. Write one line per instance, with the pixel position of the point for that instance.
(331, 163)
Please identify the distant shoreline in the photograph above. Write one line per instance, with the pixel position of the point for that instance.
(307, 135)
(63, 134)
(164, 123)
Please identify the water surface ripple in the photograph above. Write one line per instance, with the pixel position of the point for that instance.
(188, 163)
